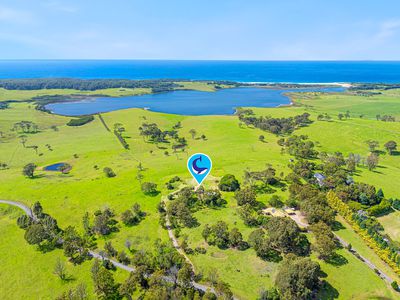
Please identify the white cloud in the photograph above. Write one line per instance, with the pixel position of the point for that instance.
(388, 29)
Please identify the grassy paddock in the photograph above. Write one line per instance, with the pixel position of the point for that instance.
(391, 223)
(24, 95)
(386, 103)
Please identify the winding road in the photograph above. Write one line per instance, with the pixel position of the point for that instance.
(20, 205)
(175, 243)
(117, 264)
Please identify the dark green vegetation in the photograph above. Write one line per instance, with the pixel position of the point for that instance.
(80, 121)
(94, 84)
(3, 105)
(273, 125)
(233, 229)
(228, 183)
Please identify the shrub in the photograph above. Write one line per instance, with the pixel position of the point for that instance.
(123, 258)
(65, 168)
(170, 183)
(3, 105)
(149, 188)
(381, 209)
(121, 139)
(355, 206)
(245, 196)
(396, 204)
(29, 170)
(175, 179)
(229, 183)
(109, 172)
(200, 250)
(275, 201)
(24, 221)
(108, 265)
(395, 286)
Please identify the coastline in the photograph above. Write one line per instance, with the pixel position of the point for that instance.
(299, 85)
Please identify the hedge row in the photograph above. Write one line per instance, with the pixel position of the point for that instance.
(391, 257)
(80, 121)
(121, 139)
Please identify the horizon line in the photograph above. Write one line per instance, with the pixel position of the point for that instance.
(199, 60)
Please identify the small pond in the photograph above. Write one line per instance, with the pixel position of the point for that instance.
(54, 167)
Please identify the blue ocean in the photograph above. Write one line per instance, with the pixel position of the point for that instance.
(243, 71)
(195, 102)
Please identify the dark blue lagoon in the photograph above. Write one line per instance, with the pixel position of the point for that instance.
(222, 102)
(54, 167)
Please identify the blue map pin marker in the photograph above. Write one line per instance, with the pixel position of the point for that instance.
(199, 166)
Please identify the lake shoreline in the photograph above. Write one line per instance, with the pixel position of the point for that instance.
(223, 101)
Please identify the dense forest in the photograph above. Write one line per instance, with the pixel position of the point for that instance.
(158, 85)
(83, 84)
(374, 86)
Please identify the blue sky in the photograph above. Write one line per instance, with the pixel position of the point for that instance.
(188, 29)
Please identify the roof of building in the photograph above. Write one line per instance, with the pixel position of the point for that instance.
(319, 176)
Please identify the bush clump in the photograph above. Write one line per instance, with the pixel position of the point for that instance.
(80, 121)
(149, 188)
(109, 172)
(229, 183)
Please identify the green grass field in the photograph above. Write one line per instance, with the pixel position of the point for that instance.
(23, 95)
(353, 281)
(391, 223)
(368, 106)
(232, 148)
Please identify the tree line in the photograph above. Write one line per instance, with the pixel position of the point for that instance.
(84, 84)
(157, 85)
(274, 125)
(80, 121)
(151, 133)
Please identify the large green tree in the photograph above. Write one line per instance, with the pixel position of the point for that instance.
(284, 234)
(35, 234)
(391, 146)
(324, 240)
(246, 196)
(29, 170)
(104, 284)
(297, 278)
(229, 183)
